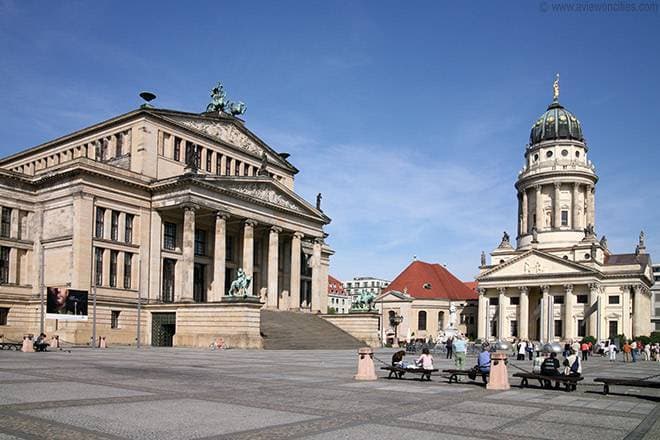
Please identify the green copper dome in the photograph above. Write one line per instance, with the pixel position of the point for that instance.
(556, 123)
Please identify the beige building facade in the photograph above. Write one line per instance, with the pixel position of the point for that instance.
(561, 282)
(160, 208)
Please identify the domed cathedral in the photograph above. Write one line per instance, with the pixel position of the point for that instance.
(561, 282)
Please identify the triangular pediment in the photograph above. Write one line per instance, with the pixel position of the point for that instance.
(267, 192)
(227, 131)
(392, 295)
(535, 263)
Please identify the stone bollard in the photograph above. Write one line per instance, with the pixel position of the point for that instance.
(499, 375)
(28, 345)
(366, 369)
(55, 342)
(102, 343)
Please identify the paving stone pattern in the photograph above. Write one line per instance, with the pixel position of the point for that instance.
(123, 393)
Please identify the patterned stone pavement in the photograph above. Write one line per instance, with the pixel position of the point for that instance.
(122, 393)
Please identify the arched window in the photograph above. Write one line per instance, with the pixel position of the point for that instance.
(441, 320)
(421, 320)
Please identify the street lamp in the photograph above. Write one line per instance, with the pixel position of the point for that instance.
(394, 322)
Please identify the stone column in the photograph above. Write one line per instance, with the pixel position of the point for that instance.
(273, 266)
(482, 315)
(587, 205)
(638, 325)
(539, 209)
(295, 271)
(219, 256)
(545, 313)
(575, 207)
(626, 327)
(525, 212)
(14, 225)
(523, 326)
(13, 265)
(152, 263)
(248, 251)
(593, 205)
(501, 308)
(317, 273)
(592, 327)
(188, 259)
(557, 205)
(569, 331)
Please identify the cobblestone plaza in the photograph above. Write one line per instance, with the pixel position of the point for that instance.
(121, 393)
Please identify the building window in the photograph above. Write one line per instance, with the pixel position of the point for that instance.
(514, 328)
(494, 301)
(229, 248)
(113, 268)
(614, 328)
(100, 215)
(5, 229)
(421, 320)
(218, 163)
(177, 149)
(169, 241)
(558, 299)
(581, 328)
(559, 324)
(128, 229)
(237, 168)
(168, 280)
(582, 299)
(199, 290)
(228, 167)
(4, 265)
(613, 299)
(564, 218)
(128, 267)
(98, 266)
(114, 319)
(4, 312)
(493, 328)
(114, 226)
(200, 242)
(120, 145)
(209, 158)
(515, 300)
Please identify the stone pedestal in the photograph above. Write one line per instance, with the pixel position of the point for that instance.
(499, 375)
(366, 369)
(28, 346)
(235, 319)
(360, 325)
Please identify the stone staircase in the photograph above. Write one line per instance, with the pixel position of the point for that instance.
(303, 331)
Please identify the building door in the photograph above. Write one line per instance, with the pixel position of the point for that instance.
(163, 328)
(614, 329)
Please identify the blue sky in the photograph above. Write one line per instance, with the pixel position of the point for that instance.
(410, 117)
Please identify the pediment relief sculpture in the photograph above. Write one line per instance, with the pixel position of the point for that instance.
(265, 193)
(225, 132)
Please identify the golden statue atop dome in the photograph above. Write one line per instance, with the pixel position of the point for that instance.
(555, 88)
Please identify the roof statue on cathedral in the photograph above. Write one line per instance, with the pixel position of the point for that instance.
(220, 104)
(555, 89)
(641, 246)
(506, 241)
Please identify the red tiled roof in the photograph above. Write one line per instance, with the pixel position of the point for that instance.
(338, 288)
(441, 284)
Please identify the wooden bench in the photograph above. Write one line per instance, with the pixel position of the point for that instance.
(11, 346)
(453, 375)
(569, 382)
(398, 372)
(637, 383)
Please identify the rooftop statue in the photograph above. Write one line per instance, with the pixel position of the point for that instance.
(642, 239)
(555, 89)
(220, 103)
(318, 201)
(483, 258)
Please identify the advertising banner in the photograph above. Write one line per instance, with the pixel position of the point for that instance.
(66, 304)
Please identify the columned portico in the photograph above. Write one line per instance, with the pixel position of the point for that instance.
(273, 265)
(248, 251)
(219, 256)
(594, 301)
(501, 311)
(317, 280)
(296, 252)
(569, 331)
(546, 313)
(523, 314)
(188, 254)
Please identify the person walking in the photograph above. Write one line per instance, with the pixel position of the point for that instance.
(627, 349)
(633, 350)
(611, 352)
(647, 352)
(530, 350)
(450, 347)
(584, 348)
(522, 348)
(460, 348)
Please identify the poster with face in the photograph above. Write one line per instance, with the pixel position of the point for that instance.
(66, 304)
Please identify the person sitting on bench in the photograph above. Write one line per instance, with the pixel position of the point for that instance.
(425, 361)
(483, 360)
(397, 359)
(41, 344)
(550, 366)
(573, 365)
